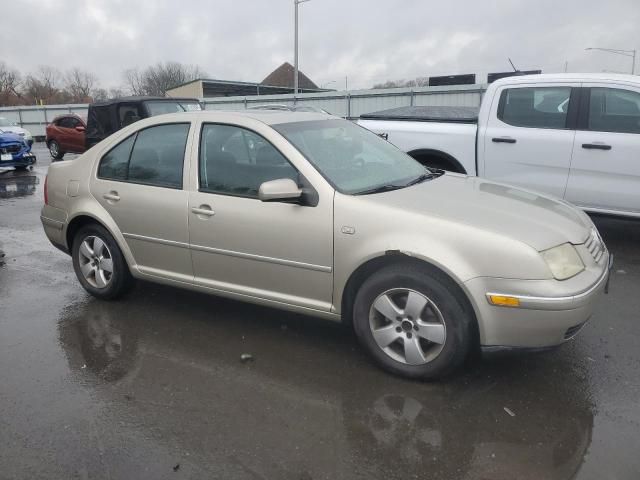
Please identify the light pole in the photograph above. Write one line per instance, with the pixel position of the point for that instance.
(626, 53)
(295, 50)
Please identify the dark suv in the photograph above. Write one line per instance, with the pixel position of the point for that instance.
(109, 116)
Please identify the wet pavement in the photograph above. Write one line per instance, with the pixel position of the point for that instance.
(152, 386)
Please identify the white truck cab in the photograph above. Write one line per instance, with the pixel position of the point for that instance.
(575, 136)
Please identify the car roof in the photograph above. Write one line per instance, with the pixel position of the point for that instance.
(70, 114)
(569, 77)
(269, 117)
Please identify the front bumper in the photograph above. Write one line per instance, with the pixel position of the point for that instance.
(19, 160)
(550, 312)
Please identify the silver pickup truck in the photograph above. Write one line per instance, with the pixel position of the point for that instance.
(575, 136)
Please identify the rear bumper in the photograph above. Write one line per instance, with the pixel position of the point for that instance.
(53, 222)
(541, 320)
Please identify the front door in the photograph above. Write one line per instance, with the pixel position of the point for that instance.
(605, 170)
(139, 182)
(277, 251)
(528, 138)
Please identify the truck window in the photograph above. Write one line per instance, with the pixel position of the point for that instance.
(535, 107)
(614, 110)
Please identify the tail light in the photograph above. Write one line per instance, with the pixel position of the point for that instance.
(46, 191)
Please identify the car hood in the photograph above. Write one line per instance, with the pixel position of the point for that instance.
(532, 218)
(16, 130)
(8, 137)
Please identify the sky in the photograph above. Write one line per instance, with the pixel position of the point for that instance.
(366, 41)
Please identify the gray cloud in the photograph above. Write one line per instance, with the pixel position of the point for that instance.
(367, 41)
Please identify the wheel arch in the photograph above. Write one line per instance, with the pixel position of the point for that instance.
(423, 155)
(395, 257)
(82, 219)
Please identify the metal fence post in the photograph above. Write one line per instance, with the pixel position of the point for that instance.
(348, 98)
(20, 117)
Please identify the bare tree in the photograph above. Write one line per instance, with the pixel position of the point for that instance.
(157, 79)
(10, 82)
(417, 82)
(79, 85)
(43, 85)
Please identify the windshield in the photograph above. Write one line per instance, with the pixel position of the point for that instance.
(353, 159)
(5, 123)
(161, 107)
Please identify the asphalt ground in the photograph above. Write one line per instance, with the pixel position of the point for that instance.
(152, 386)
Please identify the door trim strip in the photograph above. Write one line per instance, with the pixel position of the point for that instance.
(232, 253)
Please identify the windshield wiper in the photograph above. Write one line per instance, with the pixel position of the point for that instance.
(424, 177)
(380, 189)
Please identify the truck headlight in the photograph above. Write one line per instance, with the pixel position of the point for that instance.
(563, 261)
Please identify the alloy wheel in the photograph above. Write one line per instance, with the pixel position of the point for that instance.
(96, 263)
(407, 326)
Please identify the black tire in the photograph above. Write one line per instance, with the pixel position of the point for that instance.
(120, 280)
(55, 151)
(440, 290)
(22, 168)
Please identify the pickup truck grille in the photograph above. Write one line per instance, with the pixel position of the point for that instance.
(10, 148)
(595, 246)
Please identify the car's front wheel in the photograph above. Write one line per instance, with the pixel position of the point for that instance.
(413, 321)
(54, 150)
(99, 263)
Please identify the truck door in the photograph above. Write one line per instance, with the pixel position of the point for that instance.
(528, 138)
(605, 169)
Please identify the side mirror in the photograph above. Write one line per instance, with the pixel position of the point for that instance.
(80, 128)
(280, 190)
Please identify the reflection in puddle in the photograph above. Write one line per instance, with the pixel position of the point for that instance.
(13, 186)
(169, 364)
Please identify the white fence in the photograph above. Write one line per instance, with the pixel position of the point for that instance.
(350, 104)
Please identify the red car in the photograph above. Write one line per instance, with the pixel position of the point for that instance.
(65, 134)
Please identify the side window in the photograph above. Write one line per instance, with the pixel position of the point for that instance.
(128, 114)
(535, 107)
(99, 120)
(614, 110)
(158, 155)
(114, 164)
(236, 161)
(153, 156)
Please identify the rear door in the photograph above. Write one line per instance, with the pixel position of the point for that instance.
(605, 170)
(528, 138)
(139, 182)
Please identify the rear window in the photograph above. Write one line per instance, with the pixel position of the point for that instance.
(535, 107)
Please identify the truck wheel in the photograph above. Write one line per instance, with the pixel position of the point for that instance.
(99, 263)
(54, 150)
(413, 322)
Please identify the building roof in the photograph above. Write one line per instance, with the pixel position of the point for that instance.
(283, 77)
(212, 87)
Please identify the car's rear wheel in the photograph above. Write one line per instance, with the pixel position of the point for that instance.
(99, 263)
(54, 150)
(413, 321)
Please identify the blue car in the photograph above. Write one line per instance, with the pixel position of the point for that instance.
(15, 151)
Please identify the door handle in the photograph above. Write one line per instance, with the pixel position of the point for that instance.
(503, 140)
(596, 146)
(111, 196)
(203, 210)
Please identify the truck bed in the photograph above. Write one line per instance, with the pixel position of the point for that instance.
(427, 114)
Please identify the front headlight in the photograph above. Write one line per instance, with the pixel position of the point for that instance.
(563, 261)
